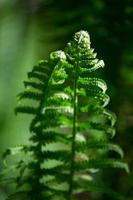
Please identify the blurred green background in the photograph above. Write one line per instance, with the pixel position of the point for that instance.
(31, 29)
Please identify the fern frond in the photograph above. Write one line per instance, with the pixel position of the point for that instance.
(34, 85)
(92, 82)
(30, 95)
(26, 109)
(100, 164)
(37, 76)
(110, 115)
(85, 70)
(101, 144)
(42, 67)
(71, 128)
(98, 187)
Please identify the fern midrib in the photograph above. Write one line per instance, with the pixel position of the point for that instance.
(73, 147)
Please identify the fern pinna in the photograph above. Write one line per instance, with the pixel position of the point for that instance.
(71, 128)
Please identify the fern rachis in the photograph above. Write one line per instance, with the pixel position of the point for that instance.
(71, 128)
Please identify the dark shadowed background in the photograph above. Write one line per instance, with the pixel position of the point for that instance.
(31, 29)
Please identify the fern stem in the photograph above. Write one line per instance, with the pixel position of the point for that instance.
(73, 131)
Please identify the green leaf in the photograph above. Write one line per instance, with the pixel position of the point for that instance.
(26, 109)
(101, 144)
(100, 187)
(38, 86)
(40, 77)
(93, 82)
(30, 95)
(103, 163)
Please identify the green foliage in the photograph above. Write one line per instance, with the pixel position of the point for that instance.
(71, 128)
